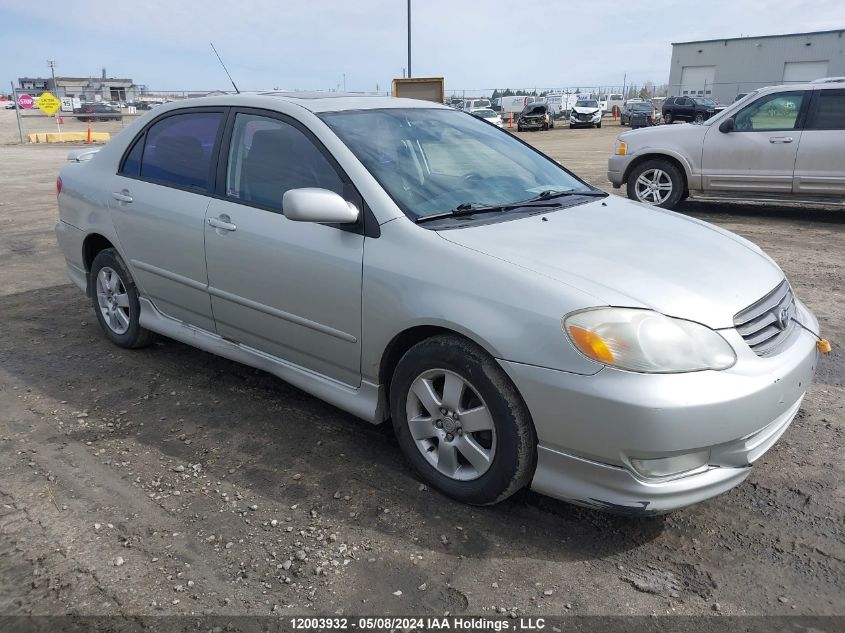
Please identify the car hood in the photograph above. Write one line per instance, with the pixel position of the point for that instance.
(582, 110)
(628, 254)
(666, 135)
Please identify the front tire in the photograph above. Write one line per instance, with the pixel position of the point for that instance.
(598, 125)
(461, 422)
(115, 299)
(656, 182)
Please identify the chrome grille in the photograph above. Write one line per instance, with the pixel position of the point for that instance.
(766, 324)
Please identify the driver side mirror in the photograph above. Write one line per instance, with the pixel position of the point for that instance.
(728, 125)
(318, 205)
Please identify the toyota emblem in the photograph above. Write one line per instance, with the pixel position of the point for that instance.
(783, 319)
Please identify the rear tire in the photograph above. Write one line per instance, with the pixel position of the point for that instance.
(479, 467)
(115, 299)
(656, 182)
(667, 118)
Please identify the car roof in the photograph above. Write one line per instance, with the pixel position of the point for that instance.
(313, 101)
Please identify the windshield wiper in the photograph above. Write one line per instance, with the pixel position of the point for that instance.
(551, 193)
(471, 208)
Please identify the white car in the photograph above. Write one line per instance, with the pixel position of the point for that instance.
(585, 113)
(488, 115)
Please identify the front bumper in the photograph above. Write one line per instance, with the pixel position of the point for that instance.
(616, 167)
(590, 427)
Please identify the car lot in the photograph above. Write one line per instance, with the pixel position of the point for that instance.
(167, 480)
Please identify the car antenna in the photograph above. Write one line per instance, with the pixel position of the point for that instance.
(224, 68)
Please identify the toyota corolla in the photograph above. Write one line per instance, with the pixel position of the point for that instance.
(409, 263)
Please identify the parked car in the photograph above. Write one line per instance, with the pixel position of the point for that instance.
(488, 115)
(692, 109)
(602, 352)
(637, 114)
(585, 113)
(535, 116)
(783, 142)
(97, 112)
(9, 105)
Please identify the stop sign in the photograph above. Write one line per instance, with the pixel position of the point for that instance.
(25, 101)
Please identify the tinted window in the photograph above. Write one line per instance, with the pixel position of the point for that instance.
(777, 111)
(268, 157)
(179, 149)
(132, 162)
(830, 111)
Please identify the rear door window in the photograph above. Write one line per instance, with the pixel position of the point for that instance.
(179, 149)
(829, 111)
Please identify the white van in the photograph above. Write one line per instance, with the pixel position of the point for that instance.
(472, 104)
(561, 104)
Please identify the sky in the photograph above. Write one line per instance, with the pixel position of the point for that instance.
(477, 45)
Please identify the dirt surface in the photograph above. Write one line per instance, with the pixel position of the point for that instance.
(170, 481)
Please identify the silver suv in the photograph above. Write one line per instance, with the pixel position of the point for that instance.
(780, 143)
(405, 261)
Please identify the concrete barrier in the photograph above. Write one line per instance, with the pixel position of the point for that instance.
(68, 137)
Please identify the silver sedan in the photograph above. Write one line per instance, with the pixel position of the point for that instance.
(409, 263)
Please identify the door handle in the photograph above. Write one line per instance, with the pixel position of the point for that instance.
(780, 139)
(222, 223)
(122, 196)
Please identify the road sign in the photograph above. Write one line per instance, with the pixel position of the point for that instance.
(48, 104)
(25, 101)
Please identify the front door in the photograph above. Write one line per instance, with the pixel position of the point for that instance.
(158, 199)
(290, 289)
(758, 156)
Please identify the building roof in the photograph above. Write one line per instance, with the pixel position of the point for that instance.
(759, 37)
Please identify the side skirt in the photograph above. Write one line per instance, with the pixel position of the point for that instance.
(364, 402)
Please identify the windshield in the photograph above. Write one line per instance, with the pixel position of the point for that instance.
(587, 103)
(431, 160)
(704, 101)
(640, 107)
(484, 114)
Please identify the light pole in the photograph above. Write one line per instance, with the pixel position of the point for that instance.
(409, 38)
(52, 65)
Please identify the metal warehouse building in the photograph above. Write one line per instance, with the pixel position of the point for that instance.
(723, 68)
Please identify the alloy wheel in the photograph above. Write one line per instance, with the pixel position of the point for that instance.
(113, 300)
(653, 186)
(451, 424)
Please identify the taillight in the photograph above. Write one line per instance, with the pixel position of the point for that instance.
(58, 185)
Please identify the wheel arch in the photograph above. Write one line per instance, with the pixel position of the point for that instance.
(405, 340)
(681, 164)
(92, 245)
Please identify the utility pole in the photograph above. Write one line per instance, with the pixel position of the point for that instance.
(344, 82)
(409, 38)
(624, 81)
(52, 64)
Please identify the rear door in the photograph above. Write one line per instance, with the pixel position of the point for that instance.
(290, 289)
(820, 165)
(158, 201)
(758, 156)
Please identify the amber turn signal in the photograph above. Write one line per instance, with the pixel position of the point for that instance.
(591, 344)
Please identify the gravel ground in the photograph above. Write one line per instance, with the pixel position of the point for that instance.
(169, 481)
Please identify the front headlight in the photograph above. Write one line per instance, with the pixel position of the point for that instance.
(646, 341)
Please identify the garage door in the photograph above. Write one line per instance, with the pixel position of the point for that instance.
(804, 71)
(697, 80)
